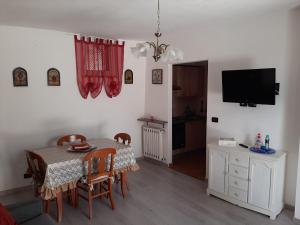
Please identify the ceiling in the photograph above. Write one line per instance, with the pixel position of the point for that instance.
(128, 19)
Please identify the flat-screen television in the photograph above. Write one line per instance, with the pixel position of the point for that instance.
(255, 86)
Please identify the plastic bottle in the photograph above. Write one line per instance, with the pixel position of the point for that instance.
(258, 142)
(267, 141)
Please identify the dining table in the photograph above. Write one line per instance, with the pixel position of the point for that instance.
(64, 168)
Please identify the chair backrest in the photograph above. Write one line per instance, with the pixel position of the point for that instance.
(66, 139)
(102, 157)
(36, 166)
(124, 136)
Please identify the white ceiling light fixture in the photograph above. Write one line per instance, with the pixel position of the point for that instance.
(161, 51)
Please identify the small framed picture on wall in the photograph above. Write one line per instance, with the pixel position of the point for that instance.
(128, 77)
(53, 77)
(20, 77)
(157, 76)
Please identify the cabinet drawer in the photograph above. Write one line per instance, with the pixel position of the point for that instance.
(238, 194)
(238, 183)
(239, 159)
(238, 171)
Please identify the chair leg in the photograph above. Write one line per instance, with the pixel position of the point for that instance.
(117, 178)
(73, 197)
(90, 199)
(127, 186)
(46, 206)
(100, 189)
(36, 190)
(110, 194)
(76, 198)
(123, 183)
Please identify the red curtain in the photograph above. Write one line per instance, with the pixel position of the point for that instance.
(99, 62)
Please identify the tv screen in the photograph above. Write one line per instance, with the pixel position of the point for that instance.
(256, 86)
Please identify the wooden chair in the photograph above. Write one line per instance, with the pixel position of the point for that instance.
(66, 139)
(100, 179)
(123, 176)
(125, 137)
(37, 167)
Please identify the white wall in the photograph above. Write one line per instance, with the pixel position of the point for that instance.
(158, 101)
(295, 56)
(34, 116)
(251, 43)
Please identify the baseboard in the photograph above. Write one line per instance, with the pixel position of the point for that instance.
(139, 158)
(296, 221)
(15, 190)
(153, 161)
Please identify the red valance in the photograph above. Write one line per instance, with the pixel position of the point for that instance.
(99, 62)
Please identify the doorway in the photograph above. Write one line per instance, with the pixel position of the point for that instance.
(189, 118)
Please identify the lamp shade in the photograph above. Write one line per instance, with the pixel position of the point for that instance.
(172, 54)
(140, 49)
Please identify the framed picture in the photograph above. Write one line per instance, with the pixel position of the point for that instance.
(53, 77)
(20, 77)
(157, 76)
(128, 77)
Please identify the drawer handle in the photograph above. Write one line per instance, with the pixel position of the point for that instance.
(236, 183)
(236, 195)
(237, 172)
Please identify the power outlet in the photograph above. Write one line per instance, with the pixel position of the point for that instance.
(215, 119)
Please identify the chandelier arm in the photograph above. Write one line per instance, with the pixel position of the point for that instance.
(151, 44)
(165, 46)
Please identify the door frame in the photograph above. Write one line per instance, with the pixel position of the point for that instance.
(170, 105)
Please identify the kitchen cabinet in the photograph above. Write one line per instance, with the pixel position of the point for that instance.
(195, 140)
(188, 81)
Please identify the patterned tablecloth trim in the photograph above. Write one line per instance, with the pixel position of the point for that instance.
(51, 193)
(47, 193)
(132, 168)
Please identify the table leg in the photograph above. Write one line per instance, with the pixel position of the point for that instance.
(73, 197)
(123, 183)
(59, 206)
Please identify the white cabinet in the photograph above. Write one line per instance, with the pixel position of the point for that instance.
(250, 180)
(218, 174)
(260, 183)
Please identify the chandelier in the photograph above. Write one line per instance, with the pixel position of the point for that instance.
(161, 51)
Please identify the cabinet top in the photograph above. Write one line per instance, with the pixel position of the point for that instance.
(242, 150)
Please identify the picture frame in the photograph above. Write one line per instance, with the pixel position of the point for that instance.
(53, 77)
(20, 77)
(157, 76)
(128, 76)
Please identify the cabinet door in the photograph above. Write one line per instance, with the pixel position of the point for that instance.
(260, 183)
(195, 135)
(189, 136)
(218, 171)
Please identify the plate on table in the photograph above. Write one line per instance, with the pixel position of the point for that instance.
(90, 148)
(263, 150)
(80, 146)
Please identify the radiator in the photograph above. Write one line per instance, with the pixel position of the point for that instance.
(153, 143)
